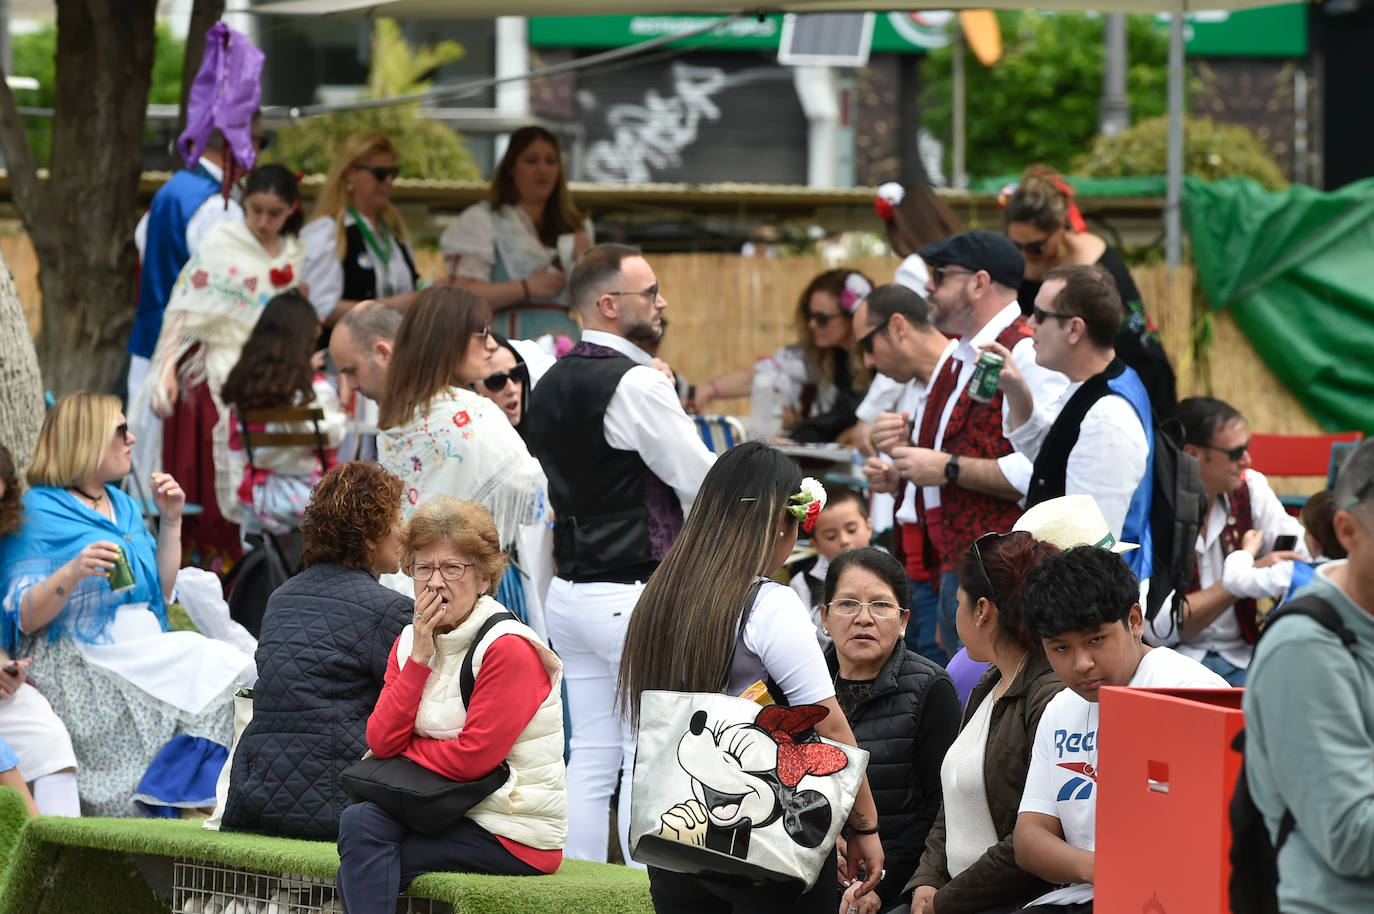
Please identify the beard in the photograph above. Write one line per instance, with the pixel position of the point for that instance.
(641, 332)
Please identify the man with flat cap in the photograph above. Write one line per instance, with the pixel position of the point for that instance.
(970, 479)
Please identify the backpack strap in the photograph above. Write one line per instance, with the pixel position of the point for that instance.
(466, 679)
(1325, 615)
(748, 611)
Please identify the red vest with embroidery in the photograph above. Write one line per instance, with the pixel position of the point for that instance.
(1238, 519)
(974, 430)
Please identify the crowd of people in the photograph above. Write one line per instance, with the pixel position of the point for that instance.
(508, 550)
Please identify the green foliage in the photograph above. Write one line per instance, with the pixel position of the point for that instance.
(1039, 103)
(1211, 151)
(426, 148)
(35, 55)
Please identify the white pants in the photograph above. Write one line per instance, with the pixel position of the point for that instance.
(36, 734)
(587, 624)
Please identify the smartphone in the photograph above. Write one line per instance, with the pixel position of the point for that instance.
(1286, 542)
(11, 668)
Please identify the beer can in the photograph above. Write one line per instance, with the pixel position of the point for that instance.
(122, 574)
(983, 385)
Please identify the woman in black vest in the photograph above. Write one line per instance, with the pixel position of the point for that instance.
(902, 707)
(357, 244)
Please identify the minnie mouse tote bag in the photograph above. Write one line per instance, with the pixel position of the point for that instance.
(725, 787)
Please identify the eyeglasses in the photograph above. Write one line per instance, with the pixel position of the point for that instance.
(1033, 248)
(1041, 315)
(453, 571)
(866, 341)
(497, 382)
(484, 333)
(939, 273)
(122, 432)
(879, 609)
(380, 172)
(820, 319)
(1233, 454)
(650, 293)
(990, 537)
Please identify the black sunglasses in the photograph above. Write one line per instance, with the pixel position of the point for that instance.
(1041, 315)
(497, 382)
(1033, 248)
(380, 172)
(990, 537)
(820, 319)
(1233, 454)
(866, 341)
(939, 273)
(122, 430)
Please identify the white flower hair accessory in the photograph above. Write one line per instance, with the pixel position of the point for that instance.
(806, 505)
(890, 195)
(856, 289)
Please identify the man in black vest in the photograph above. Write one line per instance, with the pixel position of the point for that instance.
(624, 462)
(1097, 438)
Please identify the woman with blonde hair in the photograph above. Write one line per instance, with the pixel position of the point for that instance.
(512, 714)
(84, 590)
(357, 244)
(522, 241)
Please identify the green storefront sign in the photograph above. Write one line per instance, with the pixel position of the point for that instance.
(1274, 31)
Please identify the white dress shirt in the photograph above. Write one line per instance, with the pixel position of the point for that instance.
(1045, 386)
(324, 273)
(210, 213)
(646, 416)
(1223, 635)
(1108, 462)
(913, 402)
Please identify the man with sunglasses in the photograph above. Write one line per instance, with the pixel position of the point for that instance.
(969, 477)
(1216, 628)
(1097, 439)
(1309, 720)
(624, 462)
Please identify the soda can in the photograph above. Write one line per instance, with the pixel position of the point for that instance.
(122, 574)
(983, 385)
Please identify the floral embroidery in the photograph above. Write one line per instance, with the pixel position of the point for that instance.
(415, 464)
(281, 277)
(251, 283)
(199, 278)
(414, 495)
(461, 419)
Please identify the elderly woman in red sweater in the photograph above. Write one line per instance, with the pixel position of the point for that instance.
(514, 715)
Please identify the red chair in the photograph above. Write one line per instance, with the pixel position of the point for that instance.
(1299, 455)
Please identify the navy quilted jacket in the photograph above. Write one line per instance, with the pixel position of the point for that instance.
(321, 659)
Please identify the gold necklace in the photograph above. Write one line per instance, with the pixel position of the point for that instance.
(1006, 683)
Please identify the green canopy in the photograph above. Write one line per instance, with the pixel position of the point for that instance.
(1294, 268)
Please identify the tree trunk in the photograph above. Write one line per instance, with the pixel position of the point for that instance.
(21, 384)
(82, 219)
(204, 14)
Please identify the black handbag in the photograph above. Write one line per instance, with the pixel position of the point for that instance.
(420, 799)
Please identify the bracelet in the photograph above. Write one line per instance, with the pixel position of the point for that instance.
(525, 285)
(863, 831)
(715, 388)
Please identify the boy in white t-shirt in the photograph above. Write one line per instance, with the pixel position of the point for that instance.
(1083, 605)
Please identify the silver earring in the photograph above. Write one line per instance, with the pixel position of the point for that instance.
(781, 534)
(825, 631)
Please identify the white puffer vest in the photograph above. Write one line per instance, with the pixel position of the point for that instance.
(532, 807)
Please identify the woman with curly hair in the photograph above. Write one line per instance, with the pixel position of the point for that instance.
(322, 656)
(276, 371)
(821, 376)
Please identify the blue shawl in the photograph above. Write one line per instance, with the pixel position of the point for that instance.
(56, 528)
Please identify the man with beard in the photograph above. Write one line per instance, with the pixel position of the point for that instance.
(624, 463)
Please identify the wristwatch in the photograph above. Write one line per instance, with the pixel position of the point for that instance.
(952, 469)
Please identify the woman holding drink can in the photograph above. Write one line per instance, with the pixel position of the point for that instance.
(83, 591)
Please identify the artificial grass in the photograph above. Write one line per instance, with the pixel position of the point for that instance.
(91, 865)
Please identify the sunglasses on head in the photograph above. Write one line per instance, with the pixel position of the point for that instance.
(820, 319)
(380, 172)
(497, 382)
(986, 538)
(1233, 454)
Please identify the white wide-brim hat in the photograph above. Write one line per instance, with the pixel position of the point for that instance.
(1071, 520)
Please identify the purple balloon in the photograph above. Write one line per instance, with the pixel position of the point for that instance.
(225, 94)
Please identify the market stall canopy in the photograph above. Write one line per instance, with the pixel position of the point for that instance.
(480, 9)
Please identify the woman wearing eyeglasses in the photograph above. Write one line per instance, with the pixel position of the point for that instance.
(1044, 223)
(357, 244)
(83, 591)
(514, 715)
(821, 377)
(902, 707)
(520, 244)
(441, 438)
(969, 865)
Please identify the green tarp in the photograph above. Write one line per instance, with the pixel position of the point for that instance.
(1138, 186)
(1294, 268)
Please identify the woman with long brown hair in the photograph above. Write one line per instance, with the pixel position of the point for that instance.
(521, 242)
(442, 438)
(687, 626)
(357, 244)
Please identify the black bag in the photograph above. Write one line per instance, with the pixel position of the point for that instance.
(423, 800)
(254, 578)
(1177, 505)
(1254, 882)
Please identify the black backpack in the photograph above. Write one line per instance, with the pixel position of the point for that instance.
(253, 579)
(1177, 504)
(1254, 882)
